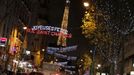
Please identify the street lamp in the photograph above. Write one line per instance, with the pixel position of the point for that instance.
(25, 38)
(43, 50)
(56, 60)
(93, 61)
(24, 44)
(99, 65)
(81, 60)
(86, 4)
(91, 51)
(24, 27)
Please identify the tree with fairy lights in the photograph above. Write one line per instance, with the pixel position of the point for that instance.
(84, 62)
(113, 21)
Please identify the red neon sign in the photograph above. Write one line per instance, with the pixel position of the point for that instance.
(3, 39)
(52, 33)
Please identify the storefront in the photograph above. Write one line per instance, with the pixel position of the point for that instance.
(22, 66)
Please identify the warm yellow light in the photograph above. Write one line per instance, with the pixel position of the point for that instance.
(99, 65)
(56, 59)
(86, 4)
(43, 50)
(24, 28)
(131, 72)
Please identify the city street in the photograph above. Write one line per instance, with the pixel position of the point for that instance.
(66, 37)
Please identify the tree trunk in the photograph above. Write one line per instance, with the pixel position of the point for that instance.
(113, 69)
(122, 55)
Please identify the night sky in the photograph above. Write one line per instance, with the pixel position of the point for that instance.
(55, 12)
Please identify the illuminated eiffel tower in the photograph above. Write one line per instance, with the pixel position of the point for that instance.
(62, 39)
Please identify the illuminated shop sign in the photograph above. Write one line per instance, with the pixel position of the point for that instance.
(64, 49)
(65, 56)
(49, 30)
(3, 41)
(61, 55)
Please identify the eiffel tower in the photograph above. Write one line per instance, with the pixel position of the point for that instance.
(62, 39)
